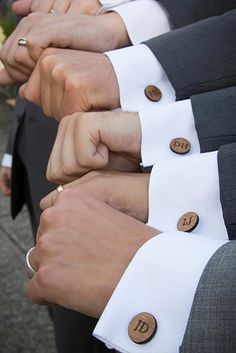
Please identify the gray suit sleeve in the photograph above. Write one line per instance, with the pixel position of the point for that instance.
(185, 12)
(212, 323)
(215, 118)
(200, 57)
(227, 177)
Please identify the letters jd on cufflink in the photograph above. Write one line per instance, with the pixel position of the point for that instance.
(142, 328)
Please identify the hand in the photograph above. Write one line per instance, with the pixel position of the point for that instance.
(100, 242)
(24, 7)
(5, 181)
(126, 192)
(91, 33)
(67, 81)
(91, 141)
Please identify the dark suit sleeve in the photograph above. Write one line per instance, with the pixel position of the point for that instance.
(9, 147)
(212, 322)
(185, 12)
(215, 118)
(200, 57)
(227, 177)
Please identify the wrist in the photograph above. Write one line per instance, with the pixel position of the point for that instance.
(116, 27)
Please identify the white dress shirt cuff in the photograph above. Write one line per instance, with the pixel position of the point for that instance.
(143, 19)
(136, 68)
(163, 123)
(162, 280)
(7, 160)
(190, 184)
(107, 5)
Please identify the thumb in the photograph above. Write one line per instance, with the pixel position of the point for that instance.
(5, 78)
(91, 154)
(22, 7)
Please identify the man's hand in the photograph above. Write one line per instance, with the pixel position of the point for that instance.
(91, 33)
(67, 81)
(126, 192)
(84, 246)
(24, 7)
(92, 141)
(5, 181)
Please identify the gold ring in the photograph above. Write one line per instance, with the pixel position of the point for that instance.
(22, 42)
(60, 188)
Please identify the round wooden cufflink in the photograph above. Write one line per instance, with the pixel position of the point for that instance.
(188, 222)
(142, 328)
(153, 93)
(180, 145)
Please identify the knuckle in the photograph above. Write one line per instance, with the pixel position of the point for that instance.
(58, 72)
(44, 243)
(47, 62)
(44, 279)
(50, 215)
(71, 85)
(19, 56)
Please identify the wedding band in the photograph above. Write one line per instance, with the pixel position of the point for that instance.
(29, 269)
(22, 42)
(60, 188)
(52, 11)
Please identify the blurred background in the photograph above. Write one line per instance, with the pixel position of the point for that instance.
(24, 328)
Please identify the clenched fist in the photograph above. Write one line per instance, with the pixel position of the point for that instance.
(91, 141)
(67, 81)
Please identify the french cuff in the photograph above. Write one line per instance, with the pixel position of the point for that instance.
(142, 81)
(184, 194)
(7, 160)
(107, 5)
(163, 124)
(169, 263)
(143, 19)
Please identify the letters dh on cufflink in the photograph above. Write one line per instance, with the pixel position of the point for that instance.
(142, 328)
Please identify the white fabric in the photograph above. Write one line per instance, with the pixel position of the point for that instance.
(144, 19)
(160, 125)
(162, 280)
(185, 185)
(136, 68)
(7, 160)
(107, 5)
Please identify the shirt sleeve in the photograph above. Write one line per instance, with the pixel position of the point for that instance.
(142, 27)
(107, 5)
(143, 83)
(161, 280)
(7, 160)
(163, 124)
(187, 187)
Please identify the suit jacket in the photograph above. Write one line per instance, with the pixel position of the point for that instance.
(200, 57)
(212, 322)
(185, 12)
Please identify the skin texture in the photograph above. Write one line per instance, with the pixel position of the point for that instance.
(67, 81)
(24, 7)
(70, 30)
(126, 192)
(92, 141)
(98, 251)
(5, 181)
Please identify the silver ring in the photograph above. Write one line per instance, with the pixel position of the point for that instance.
(22, 41)
(29, 269)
